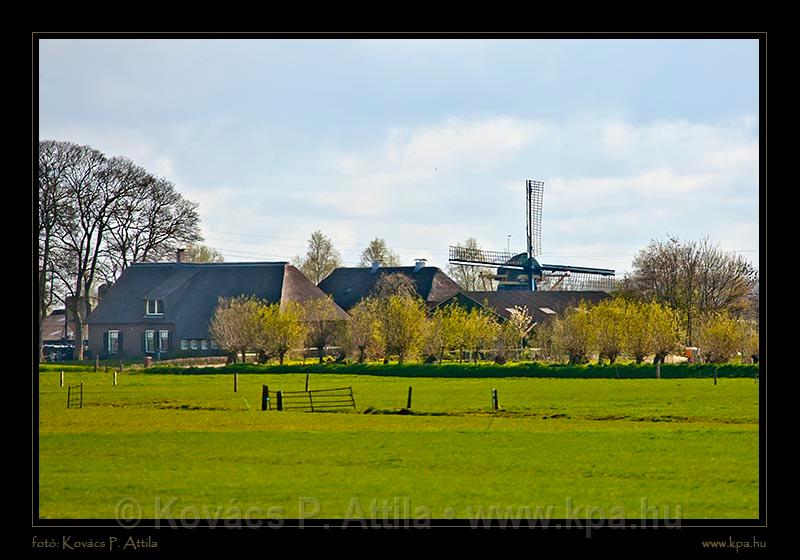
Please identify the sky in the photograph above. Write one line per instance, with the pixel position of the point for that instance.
(428, 142)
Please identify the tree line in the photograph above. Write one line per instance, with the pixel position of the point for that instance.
(393, 323)
(97, 215)
(621, 327)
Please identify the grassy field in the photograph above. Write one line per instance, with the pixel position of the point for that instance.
(184, 446)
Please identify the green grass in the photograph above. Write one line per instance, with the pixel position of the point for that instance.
(564, 444)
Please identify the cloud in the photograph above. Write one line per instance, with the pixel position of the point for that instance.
(611, 185)
(413, 166)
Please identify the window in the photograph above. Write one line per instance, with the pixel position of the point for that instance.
(184, 344)
(204, 344)
(213, 344)
(163, 341)
(154, 307)
(149, 341)
(194, 344)
(113, 342)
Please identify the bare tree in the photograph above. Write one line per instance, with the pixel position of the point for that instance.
(377, 251)
(320, 260)
(150, 223)
(362, 329)
(697, 278)
(54, 159)
(471, 278)
(323, 322)
(96, 215)
(199, 253)
(236, 324)
(394, 284)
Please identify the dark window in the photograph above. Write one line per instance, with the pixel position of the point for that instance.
(113, 342)
(149, 341)
(154, 307)
(163, 341)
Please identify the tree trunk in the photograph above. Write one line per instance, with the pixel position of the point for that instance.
(658, 369)
(280, 357)
(360, 355)
(244, 358)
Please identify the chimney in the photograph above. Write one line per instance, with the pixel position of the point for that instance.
(102, 290)
(418, 264)
(179, 256)
(375, 266)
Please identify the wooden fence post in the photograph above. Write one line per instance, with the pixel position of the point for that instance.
(264, 397)
(280, 400)
(715, 374)
(121, 366)
(235, 382)
(69, 394)
(495, 405)
(81, 405)
(115, 378)
(306, 382)
(408, 405)
(61, 381)
(96, 363)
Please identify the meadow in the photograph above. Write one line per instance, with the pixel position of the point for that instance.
(187, 446)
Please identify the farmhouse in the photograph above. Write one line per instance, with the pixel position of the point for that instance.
(543, 305)
(164, 309)
(348, 286)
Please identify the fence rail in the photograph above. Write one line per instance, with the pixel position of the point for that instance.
(316, 400)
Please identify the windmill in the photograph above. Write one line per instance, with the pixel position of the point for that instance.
(522, 271)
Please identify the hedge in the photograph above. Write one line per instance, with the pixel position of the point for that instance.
(590, 371)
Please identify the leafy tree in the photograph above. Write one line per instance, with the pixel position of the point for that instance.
(721, 336)
(280, 329)
(665, 331)
(235, 325)
(401, 327)
(638, 341)
(444, 330)
(471, 278)
(324, 323)
(198, 253)
(610, 319)
(362, 329)
(507, 339)
(377, 251)
(574, 334)
(321, 258)
(543, 338)
(479, 330)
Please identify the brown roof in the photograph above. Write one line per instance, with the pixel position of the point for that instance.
(190, 291)
(542, 305)
(348, 286)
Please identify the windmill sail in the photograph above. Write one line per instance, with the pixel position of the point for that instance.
(535, 194)
(522, 271)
